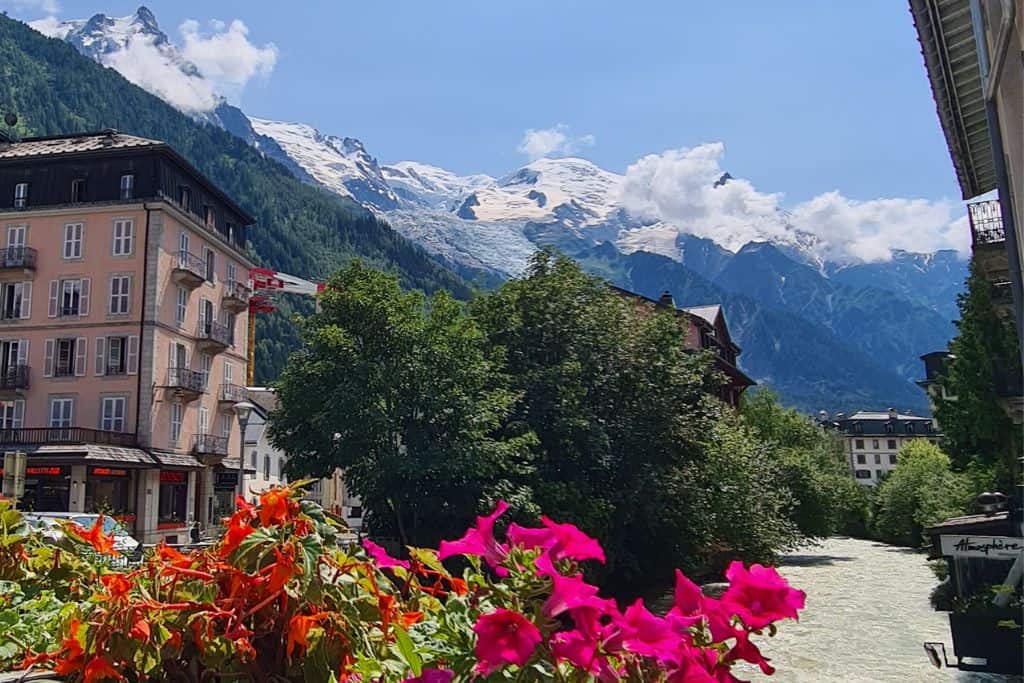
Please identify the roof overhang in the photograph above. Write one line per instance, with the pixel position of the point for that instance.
(946, 33)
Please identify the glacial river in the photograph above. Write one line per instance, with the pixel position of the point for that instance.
(866, 618)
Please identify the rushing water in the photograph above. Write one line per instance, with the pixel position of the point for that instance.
(866, 617)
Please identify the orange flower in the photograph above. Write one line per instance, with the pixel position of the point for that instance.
(410, 618)
(283, 570)
(298, 630)
(169, 554)
(117, 585)
(100, 669)
(94, 537)
(276, 507)
(72, 656)
(246, 652)
(459, 586)
(140, 630)
(238, 529)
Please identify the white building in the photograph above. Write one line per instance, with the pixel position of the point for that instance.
(269, 462)
(872, 440)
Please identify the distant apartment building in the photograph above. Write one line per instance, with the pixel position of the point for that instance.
(123, 304)
(266, 464)
(936, 365)
(872, 440)
(706, 330)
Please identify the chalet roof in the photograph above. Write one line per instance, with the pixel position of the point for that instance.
(265, 398)
(706, 313)
(73, 144)
(865, 415)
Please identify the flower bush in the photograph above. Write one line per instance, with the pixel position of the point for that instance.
(279, 599)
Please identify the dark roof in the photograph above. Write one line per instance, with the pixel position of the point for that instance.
(264, 398)
(106, 141)
(878, 424)
(73, 144)
(171, 459)
(90, 453)
(946, 33)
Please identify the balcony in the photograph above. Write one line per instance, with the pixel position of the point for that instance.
(13, 380)
(213, 337)
(186, 384)
(29, 436)
(236, 297)
(232, 394)
(988, 239)
(17, 262)
(189, 270)
(210, 449)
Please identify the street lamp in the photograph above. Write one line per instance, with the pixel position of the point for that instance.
(242, 409)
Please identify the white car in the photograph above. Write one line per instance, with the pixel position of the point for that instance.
(49, 523)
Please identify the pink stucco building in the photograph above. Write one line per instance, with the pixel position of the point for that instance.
(123, 301)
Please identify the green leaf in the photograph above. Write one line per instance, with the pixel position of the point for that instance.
(408, 651)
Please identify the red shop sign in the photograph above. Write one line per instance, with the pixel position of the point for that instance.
(172, 477)
(43, 471)
(107, 472)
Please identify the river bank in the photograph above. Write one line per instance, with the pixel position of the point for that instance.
(866, 618)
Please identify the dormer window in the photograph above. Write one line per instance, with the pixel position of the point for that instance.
(127, 186)
(889, 427)
(209, 218)
(910, 428)
(78, 190)
(185, 197)
(21, 195)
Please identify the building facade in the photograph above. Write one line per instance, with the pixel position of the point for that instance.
(124, 295)
(872, 441)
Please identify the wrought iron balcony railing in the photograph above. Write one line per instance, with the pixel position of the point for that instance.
(189, 380)
(18, 257)
(213, 331)
(14, 377)
(65, 435)
(208, 444)
(986, 222)
(232, 393)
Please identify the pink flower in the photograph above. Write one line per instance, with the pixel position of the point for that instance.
(381, 557)
(433, 676)
(480, 541)
(759, 596)
(577, 648)
(572, 593)
(649, 635)
(748, 652)
(561, 541)
(504, 637)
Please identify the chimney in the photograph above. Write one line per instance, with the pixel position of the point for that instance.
(892, 414)
(666, 299)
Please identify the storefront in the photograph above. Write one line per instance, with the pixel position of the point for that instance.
(110, 490)
(172, 511)
(225, 488)
(47, 488)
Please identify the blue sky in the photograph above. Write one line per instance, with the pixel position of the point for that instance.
(806, 96)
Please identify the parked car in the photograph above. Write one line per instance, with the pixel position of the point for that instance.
(49, 524)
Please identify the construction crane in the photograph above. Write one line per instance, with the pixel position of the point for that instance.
(267, 283)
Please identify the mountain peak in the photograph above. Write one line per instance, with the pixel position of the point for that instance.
(145, 18)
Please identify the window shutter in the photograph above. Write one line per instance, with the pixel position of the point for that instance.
(83, 299)
(48, 359)
(19, 413)
(128, 292)
(133, 354)
(101, 355)
(23, 352)
(26, 299)
(54, 294)
(110, 293)
(81, 344)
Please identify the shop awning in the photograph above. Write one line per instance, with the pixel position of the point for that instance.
(92, 454)
(172, 459)
(231, 465)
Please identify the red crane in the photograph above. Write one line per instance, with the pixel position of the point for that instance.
(266, 283)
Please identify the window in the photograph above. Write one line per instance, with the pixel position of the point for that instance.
(874, 444)
(78, 190)
(892, 444)
(203, 426)
(266, 467)
(21, 195)
(16, 300)
(892, 458)
(173, 497)
(114, 359)
(209, 217)
(62, 412)
(928, 427)
(127, 186)
(176, 414)
(910, 428)
(252, 459)
(73, 240)
(66, 357)
(185, 197)
(227, 319)
(878, 459)
(205, 365)
(860, 458)
(179, 314)
(225, 425)
(889, 428)
(210, 257)
(120, 288)
(231, 275)
(859, 443)
(69, 297)
(231, 232)
(124, 233)
(112, 419)
(12, 414)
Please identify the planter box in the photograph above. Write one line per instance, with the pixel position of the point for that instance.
(980, 637)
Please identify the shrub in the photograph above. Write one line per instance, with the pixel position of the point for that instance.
(277, 598)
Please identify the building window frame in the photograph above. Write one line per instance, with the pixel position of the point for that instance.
(127, 186)
(78, 190)
(123, 237)
(181, 306)
(176, 417)
(74, 241)
(120, 294)
(113, 413)
(62, 412)
(21, 195)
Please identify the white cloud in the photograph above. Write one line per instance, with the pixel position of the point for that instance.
(556, 140)
(678, 187)
(144, 64)
(47, 6)
(225, 56)
(50, 27)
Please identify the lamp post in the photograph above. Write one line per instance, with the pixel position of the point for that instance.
(242, 410)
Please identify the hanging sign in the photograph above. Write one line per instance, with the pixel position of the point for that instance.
(991, 547)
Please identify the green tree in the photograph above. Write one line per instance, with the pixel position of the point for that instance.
(975, 427)
(921, 491)
(400, 393)
(826, 499)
